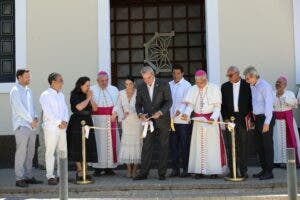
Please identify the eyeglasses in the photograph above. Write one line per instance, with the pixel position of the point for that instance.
(231, 75)
(60, 80)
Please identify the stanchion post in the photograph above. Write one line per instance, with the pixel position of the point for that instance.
(291, 173)
(84, 170)
(233, 153)
(63, 182)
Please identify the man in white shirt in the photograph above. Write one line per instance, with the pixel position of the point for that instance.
(55, 117)
(180, 138)
(24, 121)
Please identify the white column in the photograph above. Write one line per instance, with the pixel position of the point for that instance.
(104, 45)
(21, 32)
(21, 40)
(296, 7)
(212, 41)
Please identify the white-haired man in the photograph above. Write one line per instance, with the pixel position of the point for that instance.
(237, 103)
(262, 104)
(107, 139)
(286, 133)
(207, 150)
(154, 100)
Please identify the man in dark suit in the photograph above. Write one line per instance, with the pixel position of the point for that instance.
(237, 103)
(154, 100)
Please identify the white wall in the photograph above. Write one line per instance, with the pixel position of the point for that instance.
(259, 33)
(61, 36)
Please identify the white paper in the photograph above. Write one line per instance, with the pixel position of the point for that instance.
(230, 126)
(87, 131)
(146, 126)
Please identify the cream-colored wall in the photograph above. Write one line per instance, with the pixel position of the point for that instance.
(62, 37)
(259, 33)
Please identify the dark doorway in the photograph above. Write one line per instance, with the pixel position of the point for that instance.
(134, 22)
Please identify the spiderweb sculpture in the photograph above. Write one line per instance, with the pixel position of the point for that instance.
(157, 52)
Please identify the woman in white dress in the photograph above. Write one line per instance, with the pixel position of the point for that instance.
(131, 142)
(285, 131)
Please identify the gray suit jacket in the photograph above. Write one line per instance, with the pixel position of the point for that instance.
(161, 101)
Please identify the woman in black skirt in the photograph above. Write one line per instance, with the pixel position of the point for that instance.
(82, 105)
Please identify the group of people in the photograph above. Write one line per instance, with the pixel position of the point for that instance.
(183, 117)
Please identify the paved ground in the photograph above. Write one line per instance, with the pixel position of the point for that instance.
(120, 187)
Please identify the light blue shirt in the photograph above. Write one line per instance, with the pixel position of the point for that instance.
(22, 105)
(262, 99)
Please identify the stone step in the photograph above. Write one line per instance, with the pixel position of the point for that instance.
(119, 186)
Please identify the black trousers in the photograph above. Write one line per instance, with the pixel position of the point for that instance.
(180, 140)
(264, 143)
(147, 150)
(241, 145)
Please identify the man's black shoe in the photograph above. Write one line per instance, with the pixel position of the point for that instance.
(258, 174)
(52, 181)
(21, 183)
(162, 177)
(198, 176)
(267, 175)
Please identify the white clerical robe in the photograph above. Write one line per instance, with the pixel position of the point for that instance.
(207, 150)
(107, 139)
(283, 137)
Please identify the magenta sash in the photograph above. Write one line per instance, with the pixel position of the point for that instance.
(222, 146)
(108, 111)
(291, 141)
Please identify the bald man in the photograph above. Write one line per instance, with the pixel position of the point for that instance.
(285, 130)
(107, 140)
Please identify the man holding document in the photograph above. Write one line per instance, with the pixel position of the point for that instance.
(207, 151)
(153, 102)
